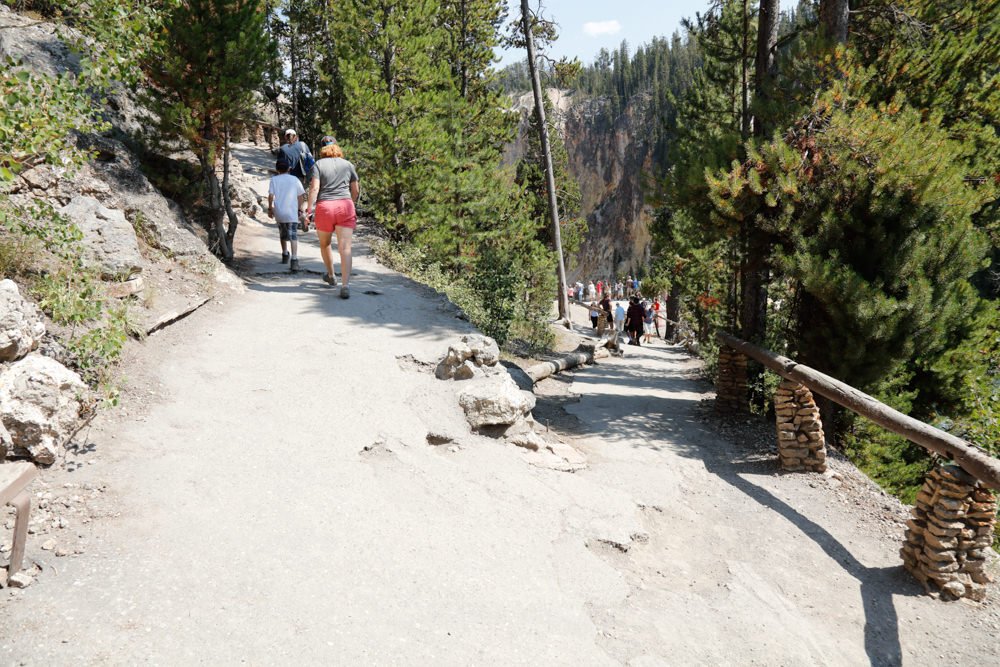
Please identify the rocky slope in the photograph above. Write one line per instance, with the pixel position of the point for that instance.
(613, 159)
(141, 244)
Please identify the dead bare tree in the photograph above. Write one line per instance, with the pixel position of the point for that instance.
(527, 26)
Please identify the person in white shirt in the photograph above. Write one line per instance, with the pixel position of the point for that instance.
(286, 204)
(619, 317)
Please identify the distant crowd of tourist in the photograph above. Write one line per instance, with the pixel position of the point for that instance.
(639, 319)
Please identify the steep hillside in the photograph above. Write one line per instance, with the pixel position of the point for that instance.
(613, 158)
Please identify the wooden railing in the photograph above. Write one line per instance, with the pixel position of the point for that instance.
(947, 540)
(975, 461)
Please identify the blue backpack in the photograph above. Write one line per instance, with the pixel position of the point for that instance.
(307, 163)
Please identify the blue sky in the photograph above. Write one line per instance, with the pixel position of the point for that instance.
(587, 26)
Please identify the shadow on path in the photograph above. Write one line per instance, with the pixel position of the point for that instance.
(676, 419)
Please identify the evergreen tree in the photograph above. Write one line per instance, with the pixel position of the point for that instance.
(397, 85)
(205, 66)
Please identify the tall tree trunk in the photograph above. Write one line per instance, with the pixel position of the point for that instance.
(463, 71)
(745, 74)
(218, 235)
(767, 37)
(226, 197)
(550, 182)
(833, 18)
(673, 312)
(294, 72)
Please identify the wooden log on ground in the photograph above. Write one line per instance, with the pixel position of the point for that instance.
(975, 461)
(582, 355)
(173, 316)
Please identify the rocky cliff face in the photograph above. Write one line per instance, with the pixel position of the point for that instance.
(614, 160)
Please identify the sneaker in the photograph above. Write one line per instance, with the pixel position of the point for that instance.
(295, 265)
(329, 280)
(345, 292)
(284, 257)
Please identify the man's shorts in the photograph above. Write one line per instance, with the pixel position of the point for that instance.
(288, 231)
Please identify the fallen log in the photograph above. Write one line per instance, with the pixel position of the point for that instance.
(173, 316)
(582, 355)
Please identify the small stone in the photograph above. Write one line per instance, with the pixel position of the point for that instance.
(63, 551)
(956, 474)
(940, 542)
(49, 544)
(20, 580)
(983, 496)
(954, 588)
(975, 592)
(939, 555)
(981, 577)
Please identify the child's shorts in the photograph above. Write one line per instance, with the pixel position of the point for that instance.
(288, 231)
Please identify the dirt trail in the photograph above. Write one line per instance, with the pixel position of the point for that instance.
(279, 503)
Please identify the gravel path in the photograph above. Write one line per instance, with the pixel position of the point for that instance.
(267, 495)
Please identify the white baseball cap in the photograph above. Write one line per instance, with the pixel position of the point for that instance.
(289, 131)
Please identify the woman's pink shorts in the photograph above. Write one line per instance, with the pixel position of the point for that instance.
(335, 213)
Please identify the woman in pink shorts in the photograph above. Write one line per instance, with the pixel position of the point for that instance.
(333, 189)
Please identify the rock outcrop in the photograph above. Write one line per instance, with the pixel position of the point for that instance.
(109, 241)
(21, 325)
(41, 405)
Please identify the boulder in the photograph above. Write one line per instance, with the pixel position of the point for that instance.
(109, 240)
(470, 357)
(485, 351)
(494, 401)
(21, 326)
(40, 405)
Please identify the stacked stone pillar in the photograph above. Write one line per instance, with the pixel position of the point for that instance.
(950, 534)
(801, 442)
(731, 382)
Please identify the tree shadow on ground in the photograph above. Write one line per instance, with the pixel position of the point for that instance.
(665, 411)
(379, 298)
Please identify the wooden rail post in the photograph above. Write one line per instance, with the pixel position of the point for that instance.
(950, 534)
(731, 382)
(801, 441)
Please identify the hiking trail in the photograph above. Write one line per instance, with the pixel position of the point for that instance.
(272, 497)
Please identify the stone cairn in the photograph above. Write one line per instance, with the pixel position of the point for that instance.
(731, 382)
(801, 443)
(950, 534)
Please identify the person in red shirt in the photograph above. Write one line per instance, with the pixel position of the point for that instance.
(656, 316)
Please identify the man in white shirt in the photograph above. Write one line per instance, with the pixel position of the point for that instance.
(286, 203)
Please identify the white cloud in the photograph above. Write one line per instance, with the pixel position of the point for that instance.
(595, 28)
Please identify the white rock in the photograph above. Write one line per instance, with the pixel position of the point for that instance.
(20, 580)
(528, 440)
(485, 350)
(109, 239)
(495, 401)
(21, 326)
(40, 405)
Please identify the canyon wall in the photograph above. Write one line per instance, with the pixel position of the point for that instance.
(617, 164)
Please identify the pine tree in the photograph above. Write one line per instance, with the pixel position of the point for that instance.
(205, 66)
(397, 85)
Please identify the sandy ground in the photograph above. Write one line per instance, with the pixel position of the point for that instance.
(268, 495)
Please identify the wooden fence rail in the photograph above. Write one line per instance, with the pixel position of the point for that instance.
(975, 461)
